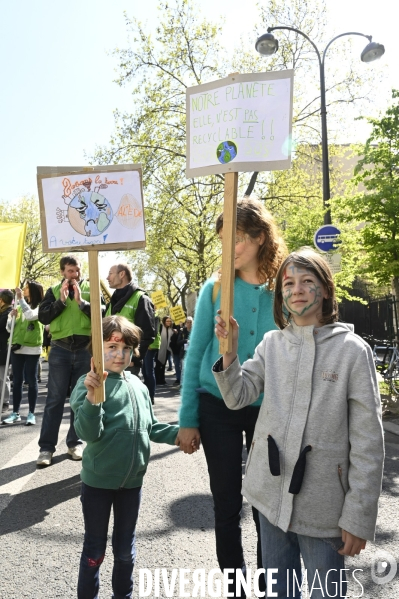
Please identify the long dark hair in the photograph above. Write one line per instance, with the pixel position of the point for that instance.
(36, 294)
(307, 258)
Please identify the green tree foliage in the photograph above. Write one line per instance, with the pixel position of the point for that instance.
(180, 213)
(36, 265)
(376, 211)
(188, 50)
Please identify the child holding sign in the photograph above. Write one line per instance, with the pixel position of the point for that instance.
(320, 426)
(118, 434)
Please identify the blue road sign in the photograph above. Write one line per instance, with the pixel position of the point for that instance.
(325, 238)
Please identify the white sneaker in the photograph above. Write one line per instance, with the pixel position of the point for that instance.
(76, 452)
(44, 458)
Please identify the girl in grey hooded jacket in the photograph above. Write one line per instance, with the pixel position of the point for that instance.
(315, 467)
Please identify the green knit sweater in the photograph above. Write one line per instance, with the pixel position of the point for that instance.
(117, 432)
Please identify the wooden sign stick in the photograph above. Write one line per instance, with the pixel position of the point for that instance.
(96, 322)
(228, 252)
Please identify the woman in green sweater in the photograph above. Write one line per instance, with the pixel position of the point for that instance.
(259, 252)
(118, 434)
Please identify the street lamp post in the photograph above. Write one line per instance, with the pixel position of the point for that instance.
(267, 45)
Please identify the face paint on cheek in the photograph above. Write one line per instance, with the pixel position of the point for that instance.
(109, 355)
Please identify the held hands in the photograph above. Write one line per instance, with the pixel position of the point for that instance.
(188, 439)
(93, 381)
(353, 545)
(14, 312)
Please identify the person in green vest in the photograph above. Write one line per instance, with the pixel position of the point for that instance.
(66, 309)
(133, 303)
(26, 347)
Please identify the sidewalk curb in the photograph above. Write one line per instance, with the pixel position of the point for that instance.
(390, 427)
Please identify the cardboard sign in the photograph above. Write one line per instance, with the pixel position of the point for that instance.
(159, 300)
(91, 208)
(177, 314)
(240, 123)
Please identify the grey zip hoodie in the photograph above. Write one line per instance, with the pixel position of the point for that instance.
(321, 399)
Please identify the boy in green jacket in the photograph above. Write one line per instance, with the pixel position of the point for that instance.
(118, 434)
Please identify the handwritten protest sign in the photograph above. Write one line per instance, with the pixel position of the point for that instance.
(177, 314)
(99, 207)
(159, 300)
(240, 123)
(92, 208)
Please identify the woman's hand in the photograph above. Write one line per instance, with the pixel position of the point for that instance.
(188, 439)
(221, 333)
(353, 544)
(14, 312)
(93, 381)
(18, 293)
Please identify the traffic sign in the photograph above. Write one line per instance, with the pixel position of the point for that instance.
(325, 238)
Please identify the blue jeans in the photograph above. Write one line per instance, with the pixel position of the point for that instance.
(149, 372)
(65, 367)
(282, 550)
(96, 505)
(176, 361)
(222, 438)
(24, 363)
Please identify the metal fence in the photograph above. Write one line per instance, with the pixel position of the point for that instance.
(378, 318)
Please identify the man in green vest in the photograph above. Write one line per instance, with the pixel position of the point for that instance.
(132, 302)
(66, 309)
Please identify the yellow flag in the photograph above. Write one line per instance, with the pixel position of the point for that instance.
(12, 244)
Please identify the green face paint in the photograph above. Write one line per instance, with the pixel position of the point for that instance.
(315, 293)
(302, 294)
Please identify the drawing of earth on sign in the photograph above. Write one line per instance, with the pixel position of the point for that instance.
(90, 213)
(226, 151)
(129, 212)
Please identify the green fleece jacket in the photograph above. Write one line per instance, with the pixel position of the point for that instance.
(117, 432)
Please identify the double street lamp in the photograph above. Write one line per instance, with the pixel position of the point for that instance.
(267, 45)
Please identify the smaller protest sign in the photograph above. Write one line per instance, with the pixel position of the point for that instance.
(159, 300)
(177, 314)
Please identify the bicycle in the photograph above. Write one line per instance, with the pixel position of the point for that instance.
(386, 360)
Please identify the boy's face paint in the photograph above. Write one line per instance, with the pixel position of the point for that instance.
(116, 353)
(303, 294)
(116, 337)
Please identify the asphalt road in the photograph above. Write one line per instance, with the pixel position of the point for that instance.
(41, 526)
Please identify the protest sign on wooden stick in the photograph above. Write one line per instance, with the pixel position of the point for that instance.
(239, 123)
(92, 208)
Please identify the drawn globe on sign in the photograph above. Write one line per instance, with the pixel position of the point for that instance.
(226, 151)
(90, 213)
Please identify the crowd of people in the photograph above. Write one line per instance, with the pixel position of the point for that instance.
(298, 387)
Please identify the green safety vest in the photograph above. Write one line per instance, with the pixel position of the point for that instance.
(129, 309)
(25, 334)
(156, 344)
(71, 321)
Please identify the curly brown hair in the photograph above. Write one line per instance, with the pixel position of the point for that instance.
(254, 219)
(307, 258)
